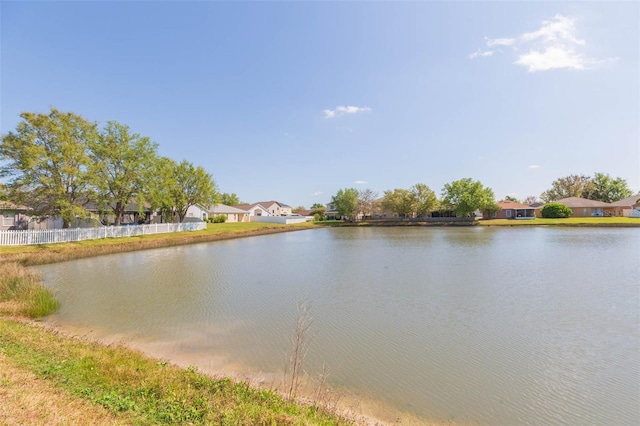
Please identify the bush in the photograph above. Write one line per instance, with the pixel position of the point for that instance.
(318, 217)
(221, 218)
(556, 210)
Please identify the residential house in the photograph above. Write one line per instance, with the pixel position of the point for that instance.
(514, 210)
(628, 207)
(196, 212)
(233, 214)
(275, 208)
(13, 216)
(583, 207)
(255, 209)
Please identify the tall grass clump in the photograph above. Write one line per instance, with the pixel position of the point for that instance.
(23, 293)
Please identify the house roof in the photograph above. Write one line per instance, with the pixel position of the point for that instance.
(628, 202)
(6, 205)
(577, 202)
(224, 209)
(506, 204)
(266, 204)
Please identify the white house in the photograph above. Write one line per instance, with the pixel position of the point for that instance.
(255, 209)
(197, 211)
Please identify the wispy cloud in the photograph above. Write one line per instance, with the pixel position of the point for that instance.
(315, 194)
(342, 110)
(480, 54)
(360, 182)
(554, 45)
(534, 166)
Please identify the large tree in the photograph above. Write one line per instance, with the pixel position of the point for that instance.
(346, 202)
(400, 201)
(568, 186)
(121, 167)
(425, 199)
(179, 186)
(366, 197)
(46, 162)
(229, 199)
(605, 188)
(465, 196)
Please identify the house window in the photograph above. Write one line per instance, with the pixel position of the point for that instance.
(8, 220)
(508, 213)
(585, 211)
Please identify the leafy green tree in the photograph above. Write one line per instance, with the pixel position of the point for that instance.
(179, 186)
(568, 186)
(229, 199)
(297, 209)
(46, 162)
(121, 165)
(465, 196)
(510, 198)
(556, 210)
(425, 200)
(317, 206)
(400, 201)
(366, 197)
(191, 185)
(346, 202)
(605, 188)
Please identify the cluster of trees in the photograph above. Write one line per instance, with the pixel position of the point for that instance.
(600, 187)
(59, 162)
(463, 197)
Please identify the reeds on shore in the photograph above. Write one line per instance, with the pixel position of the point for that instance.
(22, 293)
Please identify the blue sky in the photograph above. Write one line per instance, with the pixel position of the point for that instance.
(293, 101)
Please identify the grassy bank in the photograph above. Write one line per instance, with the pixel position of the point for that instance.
(115, 385)
(49, 253)
(571, 221)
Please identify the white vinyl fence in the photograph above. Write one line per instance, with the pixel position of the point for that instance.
(48, 236)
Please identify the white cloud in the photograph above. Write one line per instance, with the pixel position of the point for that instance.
(500, 41)
(315, 194)
(554, 45)
(342, 110)
(480, 53)
(553, 58)
(559, 29)
(360, 182)
(534, 166)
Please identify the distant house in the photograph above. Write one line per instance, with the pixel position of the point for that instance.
(514, 210)
(255, 209)
(275, 208)
(628, 207)
(196, 211)
(233, 214)
(13, 216)
(583, 207)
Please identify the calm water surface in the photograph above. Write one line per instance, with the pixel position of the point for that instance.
(483, 325)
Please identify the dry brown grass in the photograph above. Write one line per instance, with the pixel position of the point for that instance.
(27, 400)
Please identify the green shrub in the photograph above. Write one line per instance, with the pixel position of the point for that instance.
(220, 218)
(556, 210)
(318, 217)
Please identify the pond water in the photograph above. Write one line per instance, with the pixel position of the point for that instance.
(476, 325)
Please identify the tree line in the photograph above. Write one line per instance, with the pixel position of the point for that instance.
(58, 163)
(463, 197)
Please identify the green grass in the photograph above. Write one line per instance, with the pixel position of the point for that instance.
(22, 293)
(137, 389)
(571, 221)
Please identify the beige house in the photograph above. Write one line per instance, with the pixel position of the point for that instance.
(233, 214)
(628, 207)
(582, 207)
